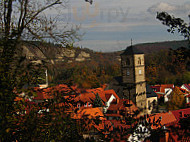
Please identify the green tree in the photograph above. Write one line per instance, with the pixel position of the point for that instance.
(97, 101)
(175, 24)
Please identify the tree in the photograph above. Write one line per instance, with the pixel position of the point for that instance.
(24, 20)
(97, 101)
(175, 24)
(176, 100)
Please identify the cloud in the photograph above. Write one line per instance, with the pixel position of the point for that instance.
(167, 7)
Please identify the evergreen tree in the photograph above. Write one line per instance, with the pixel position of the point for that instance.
(97, 101)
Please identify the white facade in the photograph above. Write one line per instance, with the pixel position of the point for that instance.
(109, 102)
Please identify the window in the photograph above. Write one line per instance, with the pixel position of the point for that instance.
(127, 61)
(85, 104)
(128, 73)
(89, 104)
(140, 72)
(78, 105)
(139, 61)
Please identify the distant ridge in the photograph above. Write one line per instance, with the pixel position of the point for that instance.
(157, 46)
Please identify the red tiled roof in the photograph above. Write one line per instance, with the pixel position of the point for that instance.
(90, 94)
(187, 86)
(121, 105)
(91, 113)
(166, 119)
(108, 94)
(164, 86)
(100, 92)
(117, 106)
(181, 113)
(161, 88)
(85, 97)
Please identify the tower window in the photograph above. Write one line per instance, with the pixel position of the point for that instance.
(128, 73)
(127, 61)
(140, 72)
(139, 61)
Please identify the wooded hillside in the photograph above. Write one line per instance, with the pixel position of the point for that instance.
(89, 69)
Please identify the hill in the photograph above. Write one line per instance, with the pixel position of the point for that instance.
(89, 69)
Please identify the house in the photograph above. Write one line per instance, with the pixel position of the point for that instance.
(151, 98)
(181, 113)
(186, 87)
(110, 96)
(117, 110)
(86, 98)
(161, 119)
(90, 113)
(163, 88)
(167, 95)
(163, 91)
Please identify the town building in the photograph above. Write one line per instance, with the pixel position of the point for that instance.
(133, 76)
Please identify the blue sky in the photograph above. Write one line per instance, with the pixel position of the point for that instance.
(109, 25)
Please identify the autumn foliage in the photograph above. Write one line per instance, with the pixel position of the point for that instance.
(176, 100)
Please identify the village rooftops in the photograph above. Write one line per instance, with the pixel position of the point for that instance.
(90, 113)
(181, 113)
(161, 119)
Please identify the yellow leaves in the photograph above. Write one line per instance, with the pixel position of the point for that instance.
(7, 130)
(176, 99)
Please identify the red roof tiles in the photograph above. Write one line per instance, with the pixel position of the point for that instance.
(181, 113)
(90, 113)
(165, 119)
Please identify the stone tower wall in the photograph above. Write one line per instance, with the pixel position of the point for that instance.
(134, 81)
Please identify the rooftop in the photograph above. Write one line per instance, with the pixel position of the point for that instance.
(132, 50)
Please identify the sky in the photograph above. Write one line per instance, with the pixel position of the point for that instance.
(109, 25)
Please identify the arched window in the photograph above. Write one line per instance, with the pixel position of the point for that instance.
(139, 61)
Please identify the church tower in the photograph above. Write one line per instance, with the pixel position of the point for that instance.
(133, 76)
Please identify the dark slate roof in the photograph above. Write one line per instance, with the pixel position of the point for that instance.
(116, 85)
(132, 50)
(150, 92)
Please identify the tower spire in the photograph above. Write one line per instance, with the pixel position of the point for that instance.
(131, 42)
